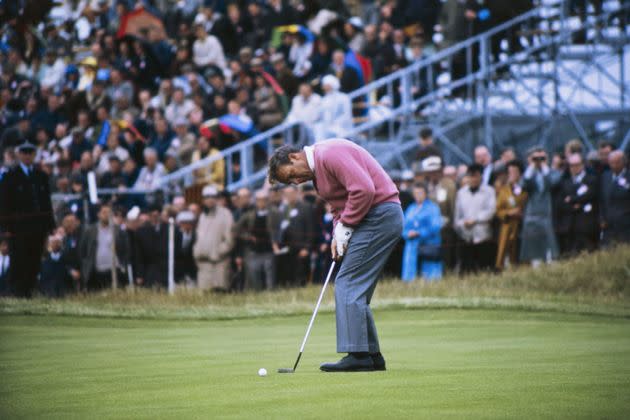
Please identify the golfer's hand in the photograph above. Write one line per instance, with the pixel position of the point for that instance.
(333, 251)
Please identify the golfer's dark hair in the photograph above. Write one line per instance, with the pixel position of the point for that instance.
(279, 158)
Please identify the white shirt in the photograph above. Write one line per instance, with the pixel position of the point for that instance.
(480, 207)
(5, 263)
(310, 157)
(305, 110)
(209, 51)
(26, 169)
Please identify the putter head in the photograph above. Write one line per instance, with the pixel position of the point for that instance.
(286, 370)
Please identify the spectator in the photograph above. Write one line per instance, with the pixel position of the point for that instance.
(212, 174)
(615, 199)
(578, 221)
(305, 106)
(335, 118)
(151, 250)
(5, 266)
(475, 207)
(184, 142)
(442, 191)
(511, 200)
(267, 104)
(347, 76)
(150, 174)
(284, 75)
(179, 107)
(353, 31)
(422, 237)
(95, 250)
(538, 241)
(161, 139)
(427, 145)
(54, 277)
(297, 234)
(214, 243)
(185, 264)
(484, 158)
(73, 232)
(112, 148)
(207, 50)
(257, 230)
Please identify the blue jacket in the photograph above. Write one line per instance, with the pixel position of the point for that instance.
(425, 219)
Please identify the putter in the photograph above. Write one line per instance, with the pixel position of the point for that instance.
(310, 324)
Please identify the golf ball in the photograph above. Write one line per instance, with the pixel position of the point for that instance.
(262, 372)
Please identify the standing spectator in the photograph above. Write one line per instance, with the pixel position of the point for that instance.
(214, 243)
(484, 158)
(5, 266)
(427, 145)
(578, 221)
(442, 191)
(538, 239)
(212, 174)
(615, 210)
(150, 174)
(152, 250)
(511, 200)
(297, 234)
(26, 214)
(95, 250)
(475, 206)
(186, 269)
(73, 232)
(54, 277)
(335, 118)
(422, 237)
(257, 230)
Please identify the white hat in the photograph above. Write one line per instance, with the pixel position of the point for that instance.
(356, 22)
(185, 217)
(133, 213)
(406, 175)
(432, 163)
(200, 19)
(331, 81)
(209, 191)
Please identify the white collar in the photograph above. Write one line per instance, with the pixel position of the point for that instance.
(579, 177)
(26, 169)
(310, 157)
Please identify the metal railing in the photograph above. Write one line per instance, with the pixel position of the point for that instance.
(418, 92)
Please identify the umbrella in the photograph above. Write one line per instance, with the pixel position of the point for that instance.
(138, 22)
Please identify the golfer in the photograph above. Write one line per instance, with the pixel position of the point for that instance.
(368, 223)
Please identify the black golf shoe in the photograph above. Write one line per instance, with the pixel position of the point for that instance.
(350, 363)
(378, 360)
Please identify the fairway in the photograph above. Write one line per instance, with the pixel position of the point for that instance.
(442, 363)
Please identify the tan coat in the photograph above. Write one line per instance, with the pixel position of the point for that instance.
(507, 201)
(212, 248)
(212, 174)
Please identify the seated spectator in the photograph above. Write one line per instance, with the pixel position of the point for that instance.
(118, 86)
(284, 75)
(511, 200)
(162, 137)
(214, 243)
(151, 172)
(421, 232)
(475, 206)
(299, 54)
(212, 174)
(179, 107)
(305, 106)
(538, 240)
(257, 231)
(347, 76)
(335, 118)
(267, 104)
(183, 144)
(112, 148)
(615, 199)
(113, 177)
(207, 50)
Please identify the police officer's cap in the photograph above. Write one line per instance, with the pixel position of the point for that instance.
(26, 147)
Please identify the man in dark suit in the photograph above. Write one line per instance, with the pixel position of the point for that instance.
(615, 200)
(185, 267)
(578, 212)
(152, 251)
(297, 234)
(26, 215)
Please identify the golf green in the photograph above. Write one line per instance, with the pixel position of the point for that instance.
(441, 363)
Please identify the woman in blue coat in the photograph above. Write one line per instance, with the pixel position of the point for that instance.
(421, 232)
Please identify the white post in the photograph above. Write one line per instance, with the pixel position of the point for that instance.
(171, 255)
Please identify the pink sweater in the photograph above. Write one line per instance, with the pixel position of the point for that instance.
(351, 180)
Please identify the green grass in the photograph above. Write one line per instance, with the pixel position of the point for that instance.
(442, 363)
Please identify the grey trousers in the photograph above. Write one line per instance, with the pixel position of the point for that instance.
(371, 243)
(260, 271)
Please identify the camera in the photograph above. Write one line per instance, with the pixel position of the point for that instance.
(539, 159)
